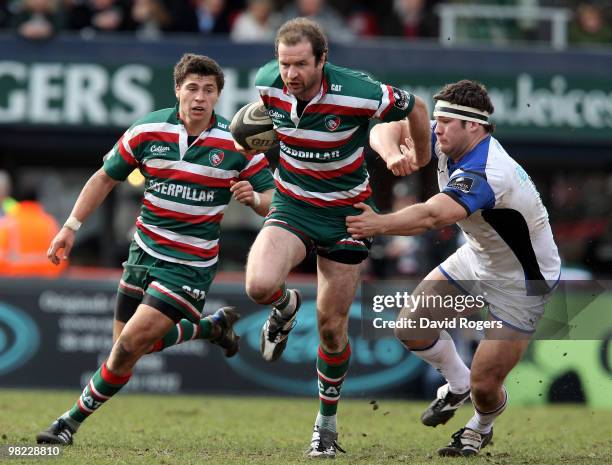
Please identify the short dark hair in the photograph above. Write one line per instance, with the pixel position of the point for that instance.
(470, 94)
(201, 65)
(296, 30)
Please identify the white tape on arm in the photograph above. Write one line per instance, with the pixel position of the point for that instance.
(72, 223)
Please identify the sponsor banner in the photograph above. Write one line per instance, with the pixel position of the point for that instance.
(55, 333)
(66, 88)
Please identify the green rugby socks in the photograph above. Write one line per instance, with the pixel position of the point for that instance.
(185, 331)
(331, 370)
(102, 386)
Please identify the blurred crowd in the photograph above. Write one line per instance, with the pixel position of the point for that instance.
(257, 20)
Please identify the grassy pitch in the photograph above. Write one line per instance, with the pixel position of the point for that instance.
(154, 429)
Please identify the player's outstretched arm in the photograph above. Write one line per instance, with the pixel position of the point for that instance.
(385, 139)
(245, 194)
(92, 195)
(439, 211)
(419, 130)
(405, 145)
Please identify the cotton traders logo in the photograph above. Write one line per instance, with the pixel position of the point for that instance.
(461, 183)
(275, 114)
(332, 122)
(216, 157)
(19, 338)
(375, 364)
(159, 149)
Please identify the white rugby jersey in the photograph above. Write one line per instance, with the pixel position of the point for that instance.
(507, 225)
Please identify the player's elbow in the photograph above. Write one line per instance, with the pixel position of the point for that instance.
(383, 131)
(104, 179)
(437, 219)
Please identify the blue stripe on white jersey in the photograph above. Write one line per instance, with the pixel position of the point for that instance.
(507, 224)
(468, 183)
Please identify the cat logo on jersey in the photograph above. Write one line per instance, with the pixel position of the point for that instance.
(216, 157)
(332, 122)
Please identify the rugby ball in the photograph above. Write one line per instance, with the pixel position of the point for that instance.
(252, 127)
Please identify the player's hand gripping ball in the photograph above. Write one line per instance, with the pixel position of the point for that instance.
(252, 127)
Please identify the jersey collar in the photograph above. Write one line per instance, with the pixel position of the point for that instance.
(468, 157)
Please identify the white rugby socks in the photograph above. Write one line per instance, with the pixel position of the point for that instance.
(325, 421)
(482, 422)
(443, 356)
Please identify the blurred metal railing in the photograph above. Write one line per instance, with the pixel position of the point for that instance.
(450, 14)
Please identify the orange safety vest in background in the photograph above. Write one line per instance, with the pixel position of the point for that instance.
(25, 236)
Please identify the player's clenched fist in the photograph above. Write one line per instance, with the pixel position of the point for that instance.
(404, 162)
(244, 193)
(64, 240)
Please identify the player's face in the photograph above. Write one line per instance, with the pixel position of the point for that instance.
(197, 97)
(453, 137)
(298, 69)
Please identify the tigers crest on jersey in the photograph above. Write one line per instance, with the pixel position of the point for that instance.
(216, 157)
(332, 122)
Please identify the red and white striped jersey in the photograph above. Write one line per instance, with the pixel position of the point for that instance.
(186, 187)
(322, 152)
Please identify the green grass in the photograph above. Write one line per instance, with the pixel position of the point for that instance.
(149, 429)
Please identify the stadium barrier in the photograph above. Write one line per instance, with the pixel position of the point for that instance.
(54, 333)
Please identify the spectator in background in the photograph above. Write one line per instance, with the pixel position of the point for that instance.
(362, 21)
(25, 235)
(7, 203)
(258, 23)
(590, 26)
(411, 19)
(213, 16)
(94, 16)
(330, 20)
(151, 18)
(183, 15)
(4, 14)
(37, 19)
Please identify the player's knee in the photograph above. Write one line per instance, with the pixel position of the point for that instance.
(409, 339)
(259, 290)
(406, 337)
(485, 389)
